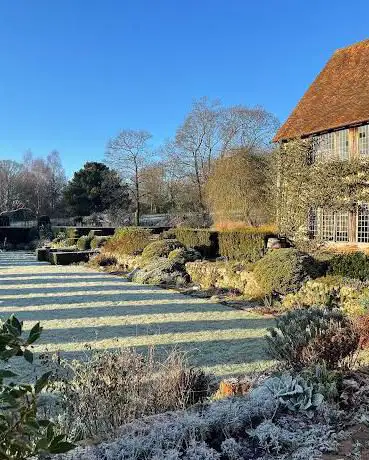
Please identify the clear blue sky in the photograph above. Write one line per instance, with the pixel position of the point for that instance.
(75, 72)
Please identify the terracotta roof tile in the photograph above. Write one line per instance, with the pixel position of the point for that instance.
(338, 97)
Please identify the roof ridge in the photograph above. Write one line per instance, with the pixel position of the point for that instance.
(353, 45)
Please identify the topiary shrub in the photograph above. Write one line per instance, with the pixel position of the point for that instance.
(160, 248)
(354, 265)
(203, 240)
(128, 241)
(161, 271)
(99, 241)
(247, 244)
(84, 243)
(285, 270)
(311, 336)
(184, 255)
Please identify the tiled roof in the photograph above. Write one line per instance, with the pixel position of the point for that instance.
(338, 97)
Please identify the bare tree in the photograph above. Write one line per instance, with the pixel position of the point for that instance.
(128, 153)
(10, 185)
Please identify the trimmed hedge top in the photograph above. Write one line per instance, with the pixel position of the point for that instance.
(245, 244)
(203, 240)
(355, 265)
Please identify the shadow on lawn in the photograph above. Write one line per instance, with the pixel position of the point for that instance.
(83, 334)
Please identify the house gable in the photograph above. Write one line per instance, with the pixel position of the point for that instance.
(339, 96)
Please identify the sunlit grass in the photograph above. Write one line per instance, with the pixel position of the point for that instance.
(84, 310)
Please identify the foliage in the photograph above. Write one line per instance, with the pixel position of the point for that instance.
(160, 248)
(348, 294)
(237, 188)
(248, 244)
(161, 271)
(114, 388)
(304, 184)
(285, 270)
(84, 243)
(311, 336)
(95, 188)
(128, 240)
(203, 240)
(101, 260)
(184, 255)
(99, 241)
(249, 427)
(22, 432)
(294, 393)
(355, 265)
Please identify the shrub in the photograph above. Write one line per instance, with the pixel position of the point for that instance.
(311, 336)
(160, 248)
(161, 271)
(67, 258)
(203, 240)
(23, 434)
(128, 241)
(121, 386)
(100, 260)
(184, 255)
(350, 295)
(285, 270)
(84, 243)
(99, 241)
(354, 265)
(362, 327)
(168, 234)
(248, 244)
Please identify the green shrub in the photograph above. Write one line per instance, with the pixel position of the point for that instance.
(99, 241)
(23, 434)
(184, 255)
(128, 241)
(93, 233)
(160, 248)
(354, 265)
(84, 243)
(311, 336)
(168, 234)
(348, 294)
(203, 240)
(285, 270)
(246, 244)
(71, 242)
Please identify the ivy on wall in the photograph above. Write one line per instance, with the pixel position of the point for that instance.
(302, 184)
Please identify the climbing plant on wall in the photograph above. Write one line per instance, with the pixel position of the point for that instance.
(303, 184)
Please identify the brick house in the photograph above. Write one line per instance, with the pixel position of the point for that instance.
(334, 113)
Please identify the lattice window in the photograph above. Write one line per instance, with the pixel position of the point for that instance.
(363, 223)
(341, 225)
(328, 231)
(342, 143)
(363, 132)
(313, 223)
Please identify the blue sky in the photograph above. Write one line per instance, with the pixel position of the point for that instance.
(75, 72)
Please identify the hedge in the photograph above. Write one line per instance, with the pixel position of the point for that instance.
(354, 265)
(128, 241)
(203, 240)
(248, 244)
(18, 235)
(67, 258)
(84, 243)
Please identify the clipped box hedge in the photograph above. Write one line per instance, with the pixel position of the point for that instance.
(248, 244)
(202, 239)
(70, 257)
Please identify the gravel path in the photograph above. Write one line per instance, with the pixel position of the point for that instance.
(82, 309)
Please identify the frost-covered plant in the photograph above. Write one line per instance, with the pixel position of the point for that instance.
(311, 336)
(294, 393)
(113, 388)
